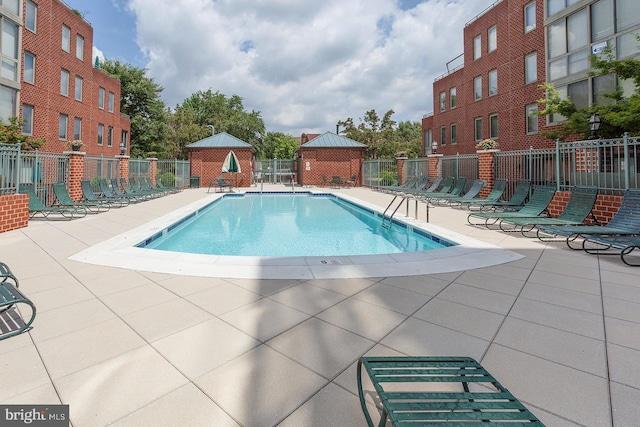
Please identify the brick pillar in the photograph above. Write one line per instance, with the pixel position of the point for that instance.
(400, 164)
(124, 166)
(486, 170)
(76, 173)
(153, 168)
(435, 166)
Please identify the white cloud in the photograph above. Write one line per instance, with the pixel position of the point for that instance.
(304, 65)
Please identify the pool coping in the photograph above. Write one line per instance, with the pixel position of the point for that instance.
(120, 251)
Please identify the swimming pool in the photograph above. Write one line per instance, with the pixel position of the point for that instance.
(286, 224)
(121, 250)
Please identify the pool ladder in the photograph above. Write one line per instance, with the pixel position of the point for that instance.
(387, 221)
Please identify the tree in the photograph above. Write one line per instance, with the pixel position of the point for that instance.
(12, 134)
(140, 100)
(371, 131)
(226, 115)
(184, 131)
(277, 145)
(618, 114)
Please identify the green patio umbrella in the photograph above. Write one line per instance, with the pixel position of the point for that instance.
(231, 164)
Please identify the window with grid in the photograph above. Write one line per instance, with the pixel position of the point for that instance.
(531, 112)
(492, 39)
(63, 121)
(10, 52)
(66, 38)
(8, 102)
(12, 6)
(100, 133)
(64, 82)
(530, 17)
(27, 119)
(493, 126)
(493, 82)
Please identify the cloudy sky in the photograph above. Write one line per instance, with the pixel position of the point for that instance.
(303, 64)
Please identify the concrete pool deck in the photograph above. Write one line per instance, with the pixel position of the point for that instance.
(126, 347)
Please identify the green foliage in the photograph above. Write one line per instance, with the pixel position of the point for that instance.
(388, 178)
(140, 100)
(226, 115)
(277, 145)
(12, 134)
(95, 181)
(167, 179)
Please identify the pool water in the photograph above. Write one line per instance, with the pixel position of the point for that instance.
(289, 225)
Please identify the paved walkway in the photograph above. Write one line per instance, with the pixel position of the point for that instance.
(125, 347)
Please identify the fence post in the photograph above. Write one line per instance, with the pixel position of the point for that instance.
(434, 165)
(123, 166)
(626, 161)
(153, 167)
(486, 172)
(400, 162)
(18, 163)
(76, 173)
(557, 164)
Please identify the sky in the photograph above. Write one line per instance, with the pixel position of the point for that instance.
(304, 65)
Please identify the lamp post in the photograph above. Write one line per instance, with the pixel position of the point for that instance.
(594, 125)
(122, 147)
(434, 147)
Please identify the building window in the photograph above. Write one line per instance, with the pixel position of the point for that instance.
(64, 82)
(12, 6)
(577, 30)
(31, 16)
(426, 140)
(493, 126)
(601, 20)
(111, 102)
(125, 138)
(453, 99)
(555, 6)
(66, 38)
(109, 136)
(493, 82)
(27, 119)
(8, 102)
(10, 52)
(80, 47)
(477, 47)
(62, 126)
(627, 45)
(29, 72)
(603, 86)
(443, 101)
(78, 88)
(531, 111)
(77, 129)
(443, 135)
(477, 88)
(100, 133)
(530, 17)
(454, 134)
(557, 118)
(477, 132)
(579, 93)
(101, 98)
(492, 39)
(627, 13)
(531, 68)
(557, 40)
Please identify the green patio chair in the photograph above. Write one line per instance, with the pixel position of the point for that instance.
(90, 196)
(438, 391)
(536, 206)
(132, 191)
(419, 185)
(515, 202)
(115, 191)
(499, 187)
(473, 191)
(398, 187)
(579, 207)
(456, 191)
(10, 295)
(626, 221)
(64, 199)
(146, 186)
(446, 187)
(610, 245)
(36, 207)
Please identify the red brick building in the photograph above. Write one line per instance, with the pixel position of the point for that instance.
(62, 96)
(493, 93)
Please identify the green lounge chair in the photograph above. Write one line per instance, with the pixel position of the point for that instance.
(425, 391)
(137, 189)
(146, 186)
(499, 186)
(90, 196)
(10, 295)
(36, 207)
(64, 199)
(419, 186)
(536, 206)
(626, 221)
(398, 187)
(133, 192)
(456, 191)
(447, 185)
(473, 191)
(115, 191)
(515, 202)
(579, 207)
(610, 245)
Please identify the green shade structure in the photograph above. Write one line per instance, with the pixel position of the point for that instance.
(231, 164)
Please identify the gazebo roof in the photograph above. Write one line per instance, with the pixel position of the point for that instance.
(331, 140)
(220, 140)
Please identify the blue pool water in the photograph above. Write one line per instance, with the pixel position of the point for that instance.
(288, 225)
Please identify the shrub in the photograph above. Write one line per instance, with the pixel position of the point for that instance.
(388, 178)
(167, 179)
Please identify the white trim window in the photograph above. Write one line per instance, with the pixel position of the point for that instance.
(493, 82)
(66, 38)
(477, 47)
(531, 68)
(100, 133)
(477, 128)
(64, 82)
(63, 121)
(492, 39)
(78, 88)
(31, 16)
(443, 101)
(531, 112)
(101, 98)
(477, 88)
(493, 126)
(77, 129)
(111, 101)
(27, 119)
(79, 47)
(530, 17)
(453, 98)
(29, 72)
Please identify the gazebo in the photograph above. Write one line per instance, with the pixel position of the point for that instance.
(207, 156)
(330, 155)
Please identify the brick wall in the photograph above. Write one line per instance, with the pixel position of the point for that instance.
(513, 94)
(206, 163)
(328, 162)
(44, 95)
(14, 212)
